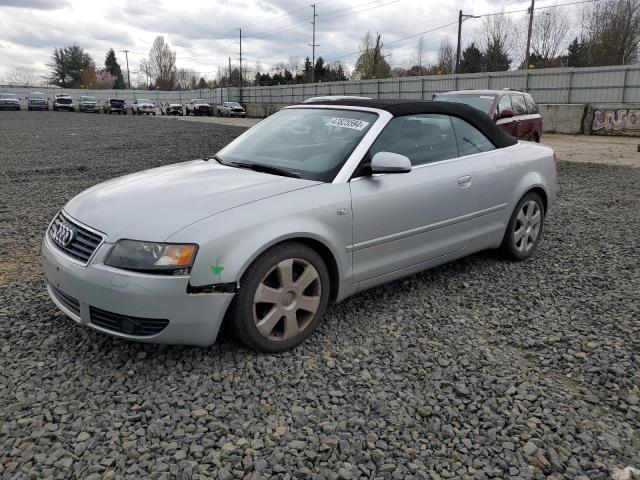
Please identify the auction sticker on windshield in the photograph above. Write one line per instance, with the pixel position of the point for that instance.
(348, 123)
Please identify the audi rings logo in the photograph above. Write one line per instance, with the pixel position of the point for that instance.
(62, 233)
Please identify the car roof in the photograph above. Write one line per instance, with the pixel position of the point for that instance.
(484, 92)
(402, 107)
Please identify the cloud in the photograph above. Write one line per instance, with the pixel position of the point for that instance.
(35, 4)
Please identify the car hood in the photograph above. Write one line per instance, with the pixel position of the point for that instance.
(88, 102)
(145, 104)
(9, 100)
(154, 204)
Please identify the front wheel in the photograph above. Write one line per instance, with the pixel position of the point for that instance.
(524, 230)
(284, 294)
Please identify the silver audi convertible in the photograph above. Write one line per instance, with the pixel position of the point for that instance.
(313, 204)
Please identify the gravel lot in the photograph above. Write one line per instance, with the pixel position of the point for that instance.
(478, 369)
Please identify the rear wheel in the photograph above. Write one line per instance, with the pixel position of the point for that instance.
(284, 294)
(524, 230)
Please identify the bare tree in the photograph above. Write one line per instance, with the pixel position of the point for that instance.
(371, 62)
(183, 77)
(612, 31)
(104, 80)
(22, 77)
(446, 62)
(496, 38)
(294, 65)
(548, 36)
(162, 64)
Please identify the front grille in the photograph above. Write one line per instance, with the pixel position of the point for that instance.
(115, 322)
(67, 300)
(83, 242)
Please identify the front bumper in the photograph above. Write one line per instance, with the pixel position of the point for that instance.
(39, 106)
(88, 108)
(81, 291)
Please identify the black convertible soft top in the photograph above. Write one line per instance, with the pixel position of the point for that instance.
(398, 108)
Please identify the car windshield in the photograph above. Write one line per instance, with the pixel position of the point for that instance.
(88, 99)
(64, 101)
(481, 102)
(199, 100)
(8, 96)
(36, 96)
(232, 104)
(116, 101)
(143, 100)
(309, 143)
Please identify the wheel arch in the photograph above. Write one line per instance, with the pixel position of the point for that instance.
(317, 245)
(543, 195)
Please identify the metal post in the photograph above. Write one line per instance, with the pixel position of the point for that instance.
(526, 61)
(569, 86)
(459, 40)
(624, 85)
(126, 54)
(241, 79)
(313, 46)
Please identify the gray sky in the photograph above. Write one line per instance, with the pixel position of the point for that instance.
(202, 32)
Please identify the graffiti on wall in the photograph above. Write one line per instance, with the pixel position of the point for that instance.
(617, 120)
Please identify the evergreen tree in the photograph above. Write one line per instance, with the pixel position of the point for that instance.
(202, 83)
(577, 54)
(306, 71)
(112, 66)
(471, 60)
(320, 70)
(66, 64)
(496, 58)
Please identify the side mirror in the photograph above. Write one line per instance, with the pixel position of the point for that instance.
(506, 114)
(388, 162)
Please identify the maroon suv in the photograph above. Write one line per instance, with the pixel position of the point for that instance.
(514, 110)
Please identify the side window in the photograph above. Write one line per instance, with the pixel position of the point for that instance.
(423, 138)
(504, 103)
(531, 105)
(470, 140)
(519, 105)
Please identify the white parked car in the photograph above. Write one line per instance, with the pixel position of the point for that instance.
(198, 106)
(143, 105)
(231, 109)
(313, 204)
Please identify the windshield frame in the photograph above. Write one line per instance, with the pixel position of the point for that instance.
(85, 98)
(352, 159)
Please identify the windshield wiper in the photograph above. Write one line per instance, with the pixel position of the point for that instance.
(262, 167)
(468, 140)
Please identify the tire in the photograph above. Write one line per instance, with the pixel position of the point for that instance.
(536, 138)
(246, 315)
(523, 233)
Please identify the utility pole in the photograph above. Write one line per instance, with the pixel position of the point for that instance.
(526, 60)
(126, 54)
(240, 32)
(461, 18)
(229, 81)
(313, 46)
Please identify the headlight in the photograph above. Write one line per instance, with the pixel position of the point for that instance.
(151, 257)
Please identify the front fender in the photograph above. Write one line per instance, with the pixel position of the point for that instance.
(231, 240)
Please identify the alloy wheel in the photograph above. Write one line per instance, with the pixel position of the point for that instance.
(527, 226)
(287, 299)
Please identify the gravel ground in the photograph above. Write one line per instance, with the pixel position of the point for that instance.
(478, 369)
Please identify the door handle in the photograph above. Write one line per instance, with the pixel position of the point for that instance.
(464, 181)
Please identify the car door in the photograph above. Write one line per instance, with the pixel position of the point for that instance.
(494, 180)
(523, 130)
(507, 124)
(534, 118)
(404, 220)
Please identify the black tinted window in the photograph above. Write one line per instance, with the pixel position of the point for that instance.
(519, 105)
(469, 139)
(531, 105)
(423, 138)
